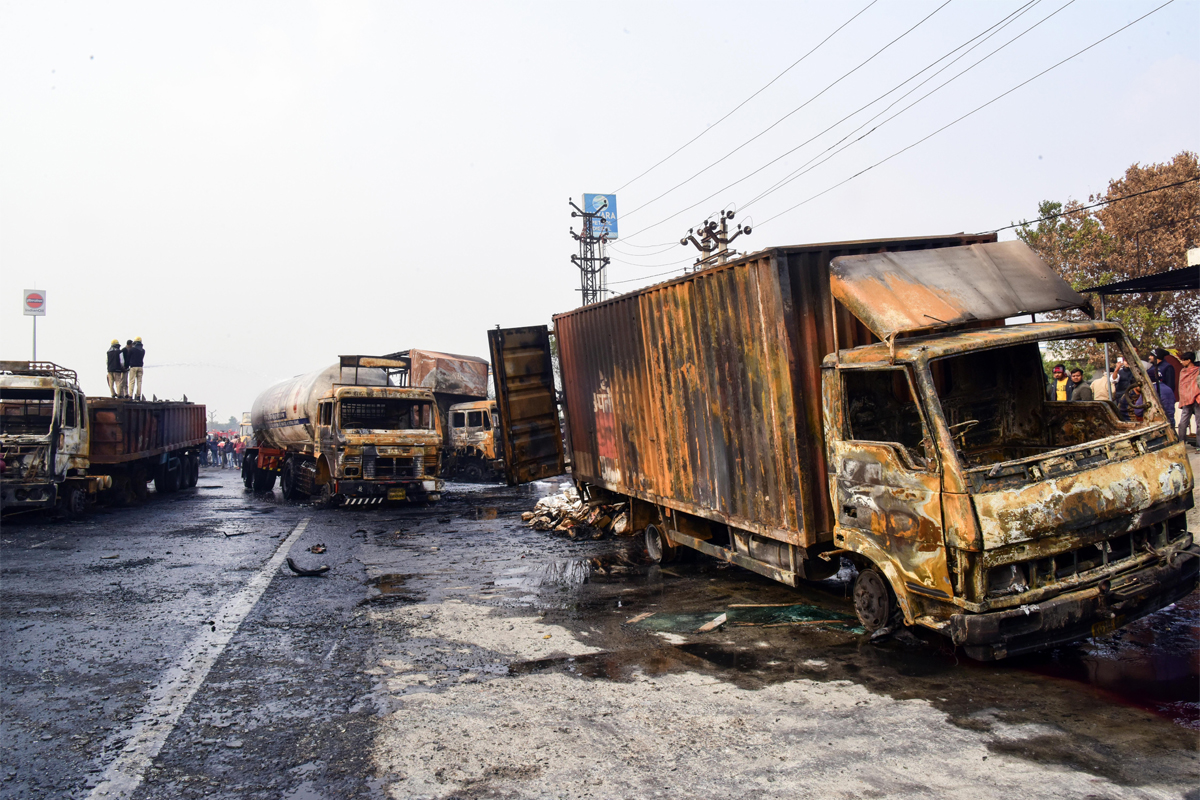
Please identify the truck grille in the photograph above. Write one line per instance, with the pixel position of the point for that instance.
(391, 468)
(1037, 573)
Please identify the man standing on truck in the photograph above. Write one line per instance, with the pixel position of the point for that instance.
(116, 369)
(135, 356)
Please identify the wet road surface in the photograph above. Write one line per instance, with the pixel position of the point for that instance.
(166, 651)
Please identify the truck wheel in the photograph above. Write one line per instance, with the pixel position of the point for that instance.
(138, 488)
(166, 479)
(248, 473)
(472, 471)
(193, 471)
(74, 501)
(872, 599)
(660, 550)
(287, 482)
(263, 481)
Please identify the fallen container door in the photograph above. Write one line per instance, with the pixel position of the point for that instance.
(523, 372)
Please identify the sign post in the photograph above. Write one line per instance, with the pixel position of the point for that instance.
(35, 306)
(605, 207)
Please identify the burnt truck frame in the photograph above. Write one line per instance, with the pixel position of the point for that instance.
(74, 450)
(865, 400)
(314, 433)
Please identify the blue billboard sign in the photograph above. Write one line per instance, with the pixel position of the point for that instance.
(606, 206)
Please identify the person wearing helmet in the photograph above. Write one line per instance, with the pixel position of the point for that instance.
(135, 356)
(116, 369)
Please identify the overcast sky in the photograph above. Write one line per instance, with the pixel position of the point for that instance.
(256, 188)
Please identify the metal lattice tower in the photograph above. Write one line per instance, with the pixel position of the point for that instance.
(591, 261)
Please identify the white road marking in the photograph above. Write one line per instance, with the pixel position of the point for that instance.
(179, 684)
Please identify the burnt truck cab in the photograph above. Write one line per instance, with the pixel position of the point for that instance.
(44, 439)
(472, 440)
(979, 508)
(381, 443)
(354, 433)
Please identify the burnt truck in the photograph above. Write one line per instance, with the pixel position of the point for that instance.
(460, 386)
(867, 401)
(355, 433)
(63, 450)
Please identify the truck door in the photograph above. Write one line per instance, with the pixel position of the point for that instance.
(71, 442)
(886, 485)
(523, 372)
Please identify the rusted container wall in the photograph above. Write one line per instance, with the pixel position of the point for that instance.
(124, 430)
(703, 393)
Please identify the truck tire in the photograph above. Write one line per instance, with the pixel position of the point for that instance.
(193, 470)
(263, 481)
(73, 501)
(660, 550)
(139, 489)
(249, 468)
(287, 482)
(166, 480)
(472, 471)
(873, 601)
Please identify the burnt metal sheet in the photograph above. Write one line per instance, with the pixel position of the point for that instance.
(523, 371)
(703, 393)
(930, 289)
(446, 373)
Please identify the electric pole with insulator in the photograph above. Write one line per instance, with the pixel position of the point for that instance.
(591, 260)
(714, 240)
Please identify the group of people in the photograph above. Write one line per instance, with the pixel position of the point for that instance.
(1180, 390)
(125, 369)
(222, 451)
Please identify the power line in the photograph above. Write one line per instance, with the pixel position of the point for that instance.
(968, 114)
(801, 171)
(793, 111)
(748, 99)
(1094, 205)
(650, 266)
(1003, 23)
(995, 230)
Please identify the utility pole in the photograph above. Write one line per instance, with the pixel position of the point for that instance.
(714, 240)
(591, 260)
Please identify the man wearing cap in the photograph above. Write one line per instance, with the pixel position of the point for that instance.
(1189, 395)
(116, 369)
(135, 355)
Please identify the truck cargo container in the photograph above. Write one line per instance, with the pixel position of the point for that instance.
(460, 386)
(62, 449)
(355, 433)
(866, 400)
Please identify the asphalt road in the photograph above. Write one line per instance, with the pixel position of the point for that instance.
(168, 651)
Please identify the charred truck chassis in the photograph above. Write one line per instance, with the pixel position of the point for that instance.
(926, 453)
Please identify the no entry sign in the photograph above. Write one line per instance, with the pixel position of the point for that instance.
(35, 303)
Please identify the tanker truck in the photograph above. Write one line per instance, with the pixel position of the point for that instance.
(355, 433)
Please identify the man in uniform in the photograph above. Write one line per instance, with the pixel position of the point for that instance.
(116, 369)
(135, 356)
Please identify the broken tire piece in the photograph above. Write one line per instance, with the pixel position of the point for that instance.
(307, 573)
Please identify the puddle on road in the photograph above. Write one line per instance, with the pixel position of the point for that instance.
(1152, 664)
(391, 584)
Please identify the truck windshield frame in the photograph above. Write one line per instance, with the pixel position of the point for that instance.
(995, 402)
(26, 411)
(384, 414)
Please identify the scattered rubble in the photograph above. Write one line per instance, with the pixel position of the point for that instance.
(566, 513)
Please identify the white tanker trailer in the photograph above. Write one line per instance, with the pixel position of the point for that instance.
(355, 432)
